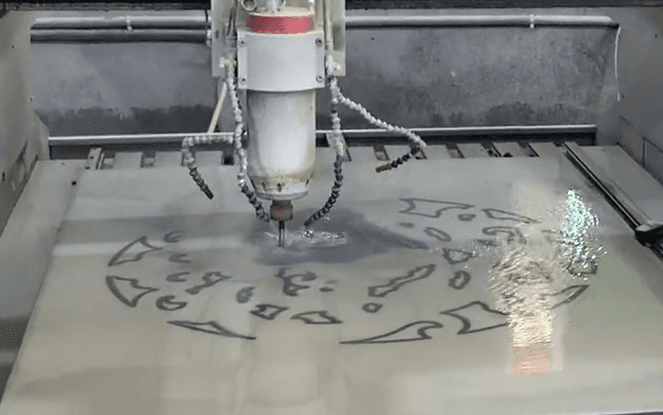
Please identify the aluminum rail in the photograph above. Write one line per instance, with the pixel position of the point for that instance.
(122, 22)
(131, 28)
(99, 140)
(119, 35)
(478, 21)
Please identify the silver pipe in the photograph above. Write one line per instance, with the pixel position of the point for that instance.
(116, 35)
(364, 22)
(351, 22)
(122, 22)
(95, 140)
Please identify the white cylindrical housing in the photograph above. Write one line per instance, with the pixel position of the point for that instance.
(281, 151)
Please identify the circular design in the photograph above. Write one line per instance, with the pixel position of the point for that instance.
(184, 285)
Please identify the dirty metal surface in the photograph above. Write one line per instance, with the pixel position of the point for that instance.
(160, 301)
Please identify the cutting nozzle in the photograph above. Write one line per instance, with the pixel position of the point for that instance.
(281, 233)
(281, 211)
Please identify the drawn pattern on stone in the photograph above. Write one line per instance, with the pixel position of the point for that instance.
(290, 287)
(504, 215)
(466, 217)
(406, 225)
(173, 237)
(474, 306)
(177, 277)
(326, 289)
(568, 294)
(127, 290)
(166, 303)
(209, 278)
(179, 258)
(371, 307)
(119, 259)
(459, 280)
(316, 317)
(438, 234)
(408, 333)
(395, 284)
(430, 208)
(267, 311)
(513, 234)
(456, 256)
(211, 327)
(244, 295)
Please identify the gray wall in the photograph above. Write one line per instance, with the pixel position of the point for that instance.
(425, 77)
(636, 122)
(413, 77)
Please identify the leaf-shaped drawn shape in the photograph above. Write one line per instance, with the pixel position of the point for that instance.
(430, 208)
(211, 327)
(123, 256)
(462, 313)
(408, 333)
(504, 215)
(316, 317)
(267, 311)
(438, 234)
(395, 284)
(127, 290)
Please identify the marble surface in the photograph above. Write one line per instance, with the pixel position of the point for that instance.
(159, 301)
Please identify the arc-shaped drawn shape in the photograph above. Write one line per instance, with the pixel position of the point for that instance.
(456, 256)
(474, 306)
(209, 278)
(395, 284)
(371, 307)
(408, 333)
(290, 287)
(127, 290)
(244, 295)
(173, 237)
(568, 294)
(166, 303)
(316, 317)
(142, 241)
(430, 208)
(211, 327)
(179, 258)
(504, 215)
(267, 311)
(513, 234)
(466, 217)
(438, 234)
(459, 280)
(176, 277)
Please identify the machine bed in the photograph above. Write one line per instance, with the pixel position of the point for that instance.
(156, 300)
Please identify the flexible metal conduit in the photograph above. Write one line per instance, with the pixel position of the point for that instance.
(194, 28)
(101, 140)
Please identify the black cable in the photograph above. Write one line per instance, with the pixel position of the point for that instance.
(335, 192)
(394, 164)
(195, 175)
(260, 211)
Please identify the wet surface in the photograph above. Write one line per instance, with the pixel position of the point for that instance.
(514, 289)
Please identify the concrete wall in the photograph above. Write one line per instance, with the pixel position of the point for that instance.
(413, 77)
(636, 122)
(22, 135)
(424, 77)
